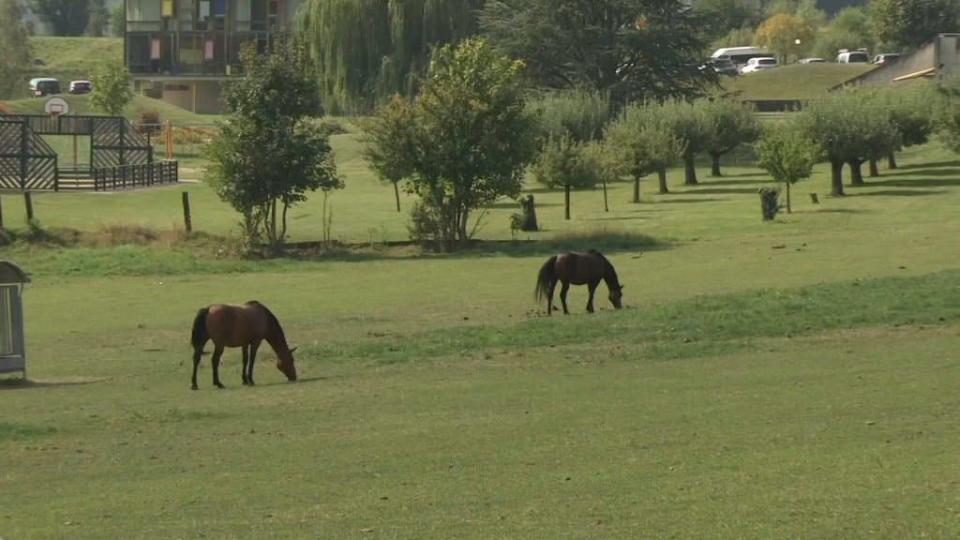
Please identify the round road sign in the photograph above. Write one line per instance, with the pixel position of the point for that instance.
(56, 106)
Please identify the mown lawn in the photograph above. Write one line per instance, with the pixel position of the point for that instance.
(787, 379)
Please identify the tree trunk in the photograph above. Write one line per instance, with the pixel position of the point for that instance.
(715, 165)
(662, 176)
(789, 210)
(836, 178)
(856, 175)
(636, 189)
(874, 172)
(690, 169)
(396, 194)
(566, 201)
(892, 161)
(606, 205)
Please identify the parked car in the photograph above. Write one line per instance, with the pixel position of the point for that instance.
(885, 58)
(853, 57)
(814, 60)
(739, 55)
(44, 86)
(759, 64)
(80, 87)
(722, 66)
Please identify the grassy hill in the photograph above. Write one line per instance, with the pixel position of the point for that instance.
(70, 58)
(795, 81)
(140, 104)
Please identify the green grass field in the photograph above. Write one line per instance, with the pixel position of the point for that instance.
(786, 379)
(794, 81)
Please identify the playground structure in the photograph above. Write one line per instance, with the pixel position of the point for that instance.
(120, 157)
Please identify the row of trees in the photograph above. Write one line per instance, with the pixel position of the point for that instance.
(797, 28)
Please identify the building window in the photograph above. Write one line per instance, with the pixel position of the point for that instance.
(155, 49)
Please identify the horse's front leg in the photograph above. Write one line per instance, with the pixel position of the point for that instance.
(563, 296)
(253, 357)
(216, 366)
(243, 370)
(592, 286)
(197, 352)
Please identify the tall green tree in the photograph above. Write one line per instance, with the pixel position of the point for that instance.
(363, 51)
(65, 17)
(850, 29)
(630, 49)
(641, 143)
(731, 123)
(469, 140)
(99, 18)
(118, 22)
(269, 155)
(112, 87)
(912, 23)
(381, 143)
(15, 44)
(788, 154)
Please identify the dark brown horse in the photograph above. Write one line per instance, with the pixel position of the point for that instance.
(247, 325)
(578, 269)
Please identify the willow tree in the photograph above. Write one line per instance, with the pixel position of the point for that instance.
(366, 50)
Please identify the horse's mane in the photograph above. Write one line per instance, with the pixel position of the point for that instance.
(607, 265)
(271, 318)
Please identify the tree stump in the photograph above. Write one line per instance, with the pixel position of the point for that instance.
(814, 198)
(769, 202)
(529, 222)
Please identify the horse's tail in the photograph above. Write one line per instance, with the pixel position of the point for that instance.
(546, 278)
(199, 334)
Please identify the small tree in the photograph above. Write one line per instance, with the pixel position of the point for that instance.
(112, 88)
(469, 139)
(788, 154)
(689, 124)
(569, 120)
(731, 123)
(641, 143)
(850, 130)
(268, 156)
(912, 111)
(15, 44)
(65, 17)
(786, 34)
(568, 163)
(387, 138)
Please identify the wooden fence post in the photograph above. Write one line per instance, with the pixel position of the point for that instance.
(169, 139)
(1, 215)
(29, 203)
(187, 223)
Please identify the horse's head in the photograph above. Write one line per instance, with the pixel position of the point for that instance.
(616, 294)
(285, 365)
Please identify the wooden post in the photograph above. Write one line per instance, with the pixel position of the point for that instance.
(187, 223)
(29, 204)
(169, 139)
(75, 151)
(1, 215)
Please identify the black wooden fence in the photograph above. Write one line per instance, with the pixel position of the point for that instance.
(132, 176)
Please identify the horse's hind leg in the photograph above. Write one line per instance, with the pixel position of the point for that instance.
(197, 352)
(243, 371)
(563, 297)
(253, 357)
(553, 287)
(216, 366)
(592, 286)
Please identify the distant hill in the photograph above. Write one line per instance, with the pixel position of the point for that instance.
(794, 81)
(40, 28)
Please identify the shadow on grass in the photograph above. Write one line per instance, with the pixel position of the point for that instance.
(666, 200)
(510, 205)
(718, 191)
(917, 182)
(832, 211)
(951, 173)
(921, 166)
(758, 174)
(759, 179)
(899, 193)
(26, 384)
(302, 380)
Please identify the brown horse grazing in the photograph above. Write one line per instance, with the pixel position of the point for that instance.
(230, 325)
(579, 269)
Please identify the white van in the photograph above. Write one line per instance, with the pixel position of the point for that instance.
(740, 55)
(859, 56)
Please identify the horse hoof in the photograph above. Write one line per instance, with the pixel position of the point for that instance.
(194, 387)
(220, 386)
